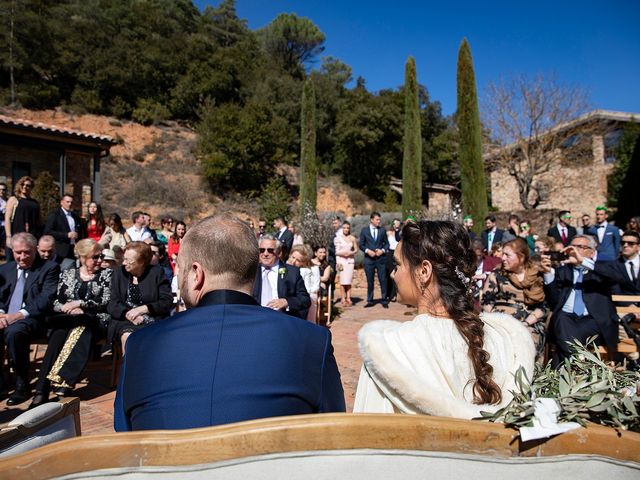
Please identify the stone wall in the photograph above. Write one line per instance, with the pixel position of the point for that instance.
(576, 186)
(440, 203)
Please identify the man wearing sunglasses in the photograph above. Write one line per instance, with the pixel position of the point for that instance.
(279, 286)
(225, 359)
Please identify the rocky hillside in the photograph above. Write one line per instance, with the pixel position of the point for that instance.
(154, 169)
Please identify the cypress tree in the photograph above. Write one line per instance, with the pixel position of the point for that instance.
(412, 154)
(308, 165)
(474, 191)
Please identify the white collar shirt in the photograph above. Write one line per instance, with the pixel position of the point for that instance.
(600, 229)
(635, 261)
(272, 276)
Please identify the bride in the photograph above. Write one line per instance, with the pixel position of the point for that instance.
(448, 361)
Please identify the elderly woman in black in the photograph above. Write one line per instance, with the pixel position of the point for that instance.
(140, 293)
(81, 307)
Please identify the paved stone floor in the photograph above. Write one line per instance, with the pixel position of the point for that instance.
(97, 397)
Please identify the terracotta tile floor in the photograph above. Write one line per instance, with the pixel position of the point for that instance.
(97, 397)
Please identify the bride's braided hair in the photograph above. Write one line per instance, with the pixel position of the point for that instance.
(446, 245)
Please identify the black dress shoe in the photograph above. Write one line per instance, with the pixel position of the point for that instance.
(368, 305)
(62, 391)
(20, 395)
(385, 305)
(38, 399)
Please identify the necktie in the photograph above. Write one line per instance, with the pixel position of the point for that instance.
(267, 294)
(15, 303)
(374, 232)
(578, 302)
(633, 272)
(564, 236)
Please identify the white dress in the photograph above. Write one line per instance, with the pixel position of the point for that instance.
(422, 366)
(311, 278)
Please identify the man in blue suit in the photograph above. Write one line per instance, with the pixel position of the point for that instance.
(225, 359)
(608, 236)
(375, 245)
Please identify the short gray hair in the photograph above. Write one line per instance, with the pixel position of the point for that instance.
(24, 237)
(225, 246)
(268, 236)
(593, 241)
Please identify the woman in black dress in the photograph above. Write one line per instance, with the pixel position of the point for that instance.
(23, 212)
(140, 293)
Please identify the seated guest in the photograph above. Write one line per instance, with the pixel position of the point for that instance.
(27, 286)
(518, 290)
(225, 359)
(580, 299)
(447, 361)
(310, 273)
(166, 231)
(47, 249)
(496, 250)
(140, 293)
(320, 259)
(64, 225)
(159, 257)
(114, 234)
(109, 259)
(81, 305)
(279, 286)
(608, 236)
(484, 265)
(563, 232)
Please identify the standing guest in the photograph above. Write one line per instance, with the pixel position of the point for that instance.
(27, 286)
(283, 235)
(210, 341)
(580, 299)
(173, 246)
(140, 293)
(492, 234)
(114, 235)
(393, 239)
(64, 225)
(562, 231)
(346, 247)
(527, 234)
(513, 231)
(95, 222)
(166, 231)
(138, 232)
(336, 225)
(47, 249)
(518, 290)
(297, 236)
(262, 229)
(22, 214)
(467, 221)
(634, 224)
(3, 211)
(81, 308)
(448, 361)
(586, 224)
(278, 286)
(374, 244)
(608, 236)
(300, 257)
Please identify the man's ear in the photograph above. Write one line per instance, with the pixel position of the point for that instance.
(198, 275)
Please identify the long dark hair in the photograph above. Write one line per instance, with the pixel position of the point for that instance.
(98, 216)
(175, 236)
(446, 245)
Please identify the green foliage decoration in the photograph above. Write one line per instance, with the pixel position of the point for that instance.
(412, 152)
(474, 193)
(308, 162)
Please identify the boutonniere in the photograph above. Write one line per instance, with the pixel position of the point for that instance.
(281, 272)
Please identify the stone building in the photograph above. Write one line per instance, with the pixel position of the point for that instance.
(578, 168)
(71, 156)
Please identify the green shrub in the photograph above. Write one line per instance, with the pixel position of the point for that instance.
(148, 112)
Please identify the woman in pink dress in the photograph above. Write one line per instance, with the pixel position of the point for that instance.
(346, 248)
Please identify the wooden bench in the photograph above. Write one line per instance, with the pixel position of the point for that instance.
(625, 345)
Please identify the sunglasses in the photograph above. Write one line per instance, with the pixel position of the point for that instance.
(269, 250)
(28, 185)
(97, 257)
(626, 242)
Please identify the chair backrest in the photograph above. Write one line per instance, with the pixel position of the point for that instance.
(338, 443)
(45, 424)
(625, 303)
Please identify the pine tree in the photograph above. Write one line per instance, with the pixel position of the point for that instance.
(474, 191)
(412, 156)
(308, 165)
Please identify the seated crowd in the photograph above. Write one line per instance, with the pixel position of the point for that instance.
(500, 298)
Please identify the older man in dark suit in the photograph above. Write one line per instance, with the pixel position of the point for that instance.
(26, 289)
(64, 225)
(375, 246)
(279, 286)
(226, 359)
(580, 299)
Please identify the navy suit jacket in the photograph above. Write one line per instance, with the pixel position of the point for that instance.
(596, 293)
(609, 248)
(555, 233)
(40, 286)
(368, 243)
(58, 227)
(226, 360)
(497, 237)
(290, 286)
(286, 238)
(617, 273)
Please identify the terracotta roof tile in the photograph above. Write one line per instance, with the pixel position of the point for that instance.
(18, 122)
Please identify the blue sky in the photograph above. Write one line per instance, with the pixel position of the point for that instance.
(594, 44)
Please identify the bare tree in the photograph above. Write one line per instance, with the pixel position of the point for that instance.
(525, 117)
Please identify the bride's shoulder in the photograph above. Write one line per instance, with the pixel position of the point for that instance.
(393, 327)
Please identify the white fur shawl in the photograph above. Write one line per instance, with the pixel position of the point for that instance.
(422, 366)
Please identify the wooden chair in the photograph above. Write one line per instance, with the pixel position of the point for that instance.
(624, 306)
(328, 446)
(324, 307)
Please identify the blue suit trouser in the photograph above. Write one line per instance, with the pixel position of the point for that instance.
(370, 267)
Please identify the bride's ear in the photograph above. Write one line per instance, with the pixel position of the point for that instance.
(425, 270)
